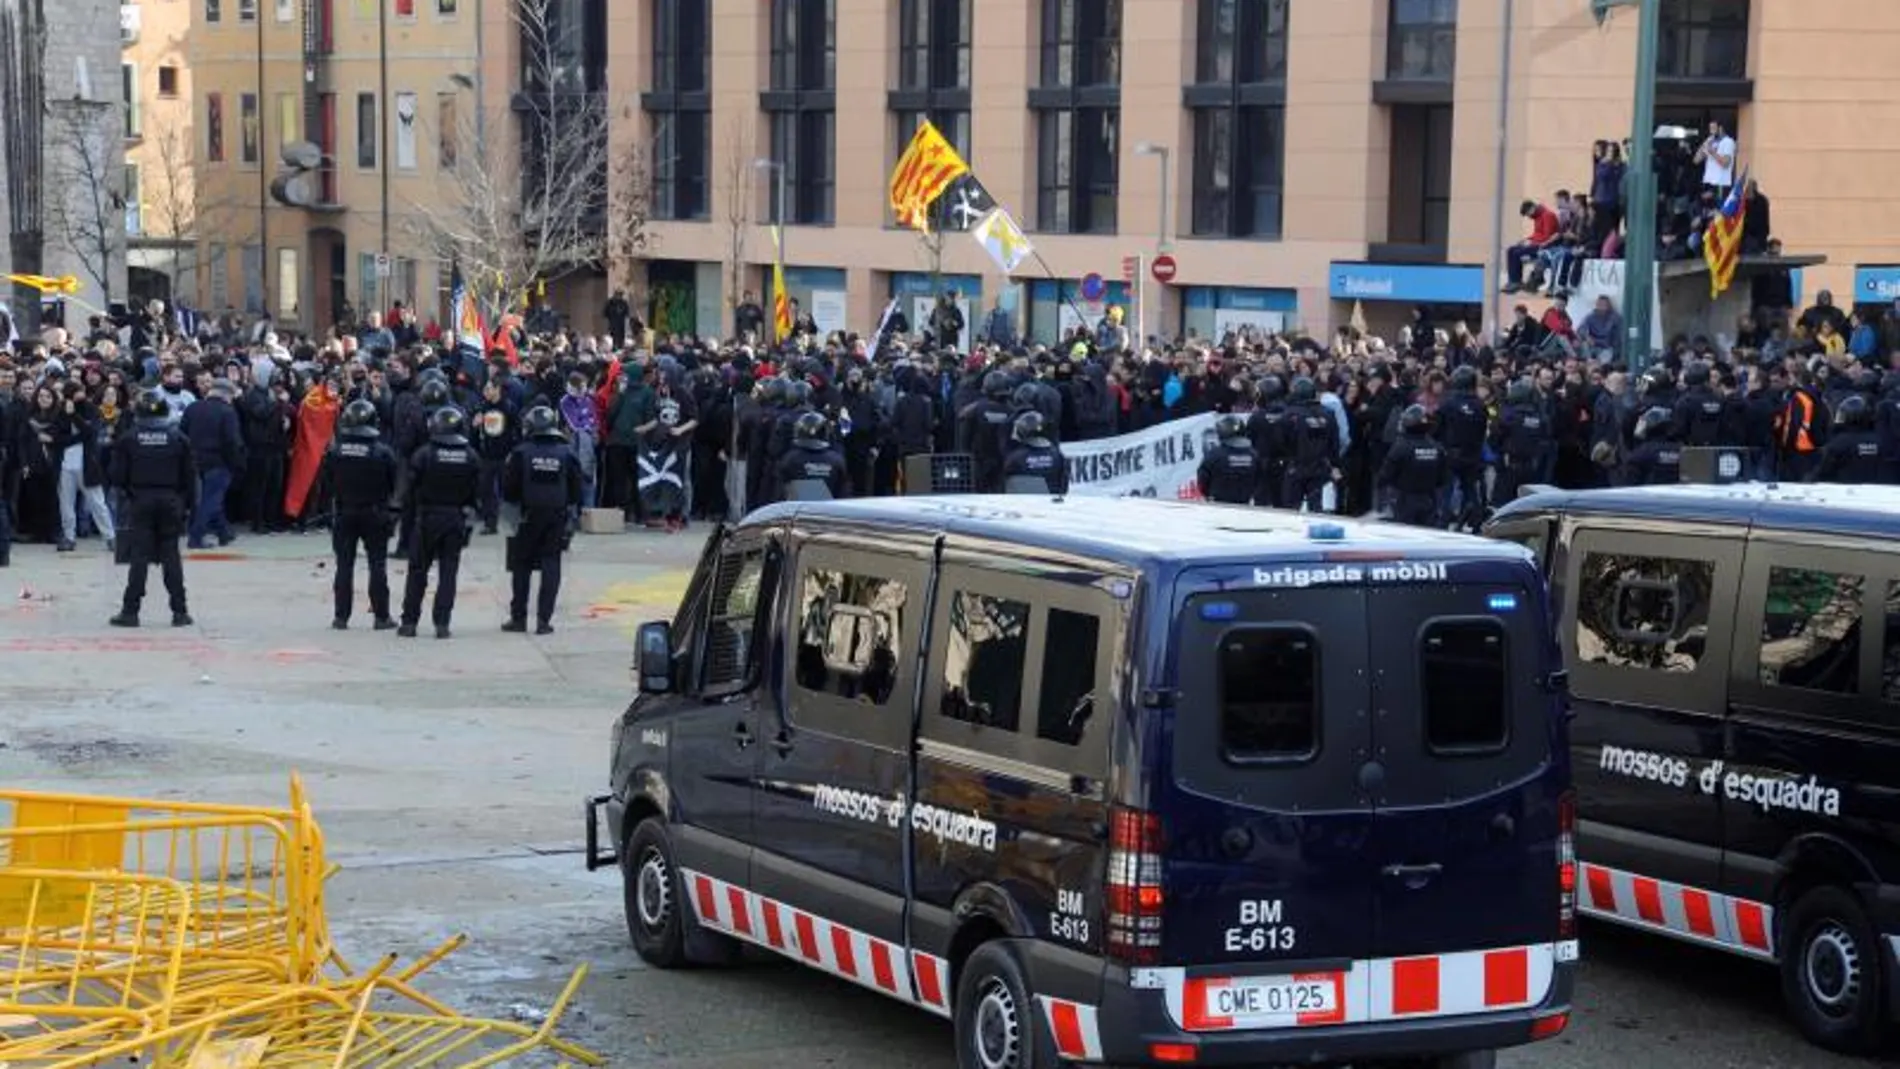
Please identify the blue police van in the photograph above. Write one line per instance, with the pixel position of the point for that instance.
(1734, 654)
(1112, 780)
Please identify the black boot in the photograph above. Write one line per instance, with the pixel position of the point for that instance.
(516, 625)
(384, 623)
(339, 624)
(544, 628)
(181, 619)
(442, 631)
(125, 619)
(406, 631)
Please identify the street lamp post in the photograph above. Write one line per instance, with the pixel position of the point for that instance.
(777, 170)
(1163, 156)
(1639, 189)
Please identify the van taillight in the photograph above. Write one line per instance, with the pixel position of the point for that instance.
(1567, 865)
(1134, 886)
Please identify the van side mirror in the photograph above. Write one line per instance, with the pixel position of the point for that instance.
(653, 657)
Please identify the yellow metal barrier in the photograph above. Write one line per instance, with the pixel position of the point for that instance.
(193, 936)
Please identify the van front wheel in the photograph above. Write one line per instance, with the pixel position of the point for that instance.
(1832, 975)
(659, 920)
(997, 1021)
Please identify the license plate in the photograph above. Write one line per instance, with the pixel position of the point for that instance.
(1274, 996)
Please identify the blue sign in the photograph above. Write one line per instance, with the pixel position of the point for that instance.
(1420, 283)
(1239, 298)
(1876, 284)
(1092, 287)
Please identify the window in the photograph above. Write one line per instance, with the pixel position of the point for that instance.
(851, 628)
(366, 281)
(1703, 39)
(220, 278)
(679, 107)
(129, 97)
(1810, 630)
(288, 289)
(1419, 206)
(448, 131)
(984, 657)
(214, 127)
(1643, 612)
(1890, 653)
(1421, 40)
(730, 620)
(1269, 694)
(1239, 104)
(134, 214)
(214, 10)
(1078, 117)
(289, 117)
(1464, 675)
(367, 130)
(445, 7)
(405, 9)
(248, 132)
(802, 106)
(247, 10)
(286, 10)
(168, 81)
(933, 77)
(406, 131)
(573, 41)
(1066, 700)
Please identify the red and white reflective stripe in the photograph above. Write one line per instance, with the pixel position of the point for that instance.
(833, 948)
(1737, 925)
(1385, 989)
(1078, 1035)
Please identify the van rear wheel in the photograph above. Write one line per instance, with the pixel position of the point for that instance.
(997, 1021)
(1832, 974)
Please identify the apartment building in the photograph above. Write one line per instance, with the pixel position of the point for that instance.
(161, 163)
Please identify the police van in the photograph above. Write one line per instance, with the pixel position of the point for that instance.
(1734, 656)
(1112, 780)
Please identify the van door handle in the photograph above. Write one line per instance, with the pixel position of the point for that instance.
(1414, 872)
(742, 736)
(782, 744)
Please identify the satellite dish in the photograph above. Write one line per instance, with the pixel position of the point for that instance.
(302, 155)
(298, 190)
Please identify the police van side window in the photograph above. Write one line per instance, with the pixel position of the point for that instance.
(731, 621)
(849, 631)
(1810, 630)
(1890, 648)
(1464, 673)
(984, 657)
(1067, 698)
(1269, 694)
(1643, 612)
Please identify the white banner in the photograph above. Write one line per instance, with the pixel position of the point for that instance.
(1160, 462)
(1604, 278)
(828, 311)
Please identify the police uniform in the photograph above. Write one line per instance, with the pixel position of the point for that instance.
(152, 467)
(813, 459)
(1314, 436)
(1852, 452)
(445, 476)
(1656, 460)
(543, 477)
(364, 472)
(1462, 425)
(1523, 441)
(1418, 470)
(1267, 427)
(1034, 456)
(1230, 469)
(983, 431)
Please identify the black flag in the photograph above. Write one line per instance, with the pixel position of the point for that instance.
(964, 204)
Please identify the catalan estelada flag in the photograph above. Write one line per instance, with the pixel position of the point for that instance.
(471, 334)
(781, 300)
(923, 172)
(1722, 241)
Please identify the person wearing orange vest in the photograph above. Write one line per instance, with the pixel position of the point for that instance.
(1800, 429)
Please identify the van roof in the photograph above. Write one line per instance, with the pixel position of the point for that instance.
(1139, 531)
(1832, 509)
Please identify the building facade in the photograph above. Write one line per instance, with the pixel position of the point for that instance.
(161, 162)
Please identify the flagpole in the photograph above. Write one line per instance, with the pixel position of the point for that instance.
(1070, 298)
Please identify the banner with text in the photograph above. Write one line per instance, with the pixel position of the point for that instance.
(1159, 462)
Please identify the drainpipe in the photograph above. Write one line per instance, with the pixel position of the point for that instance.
(1495, 265)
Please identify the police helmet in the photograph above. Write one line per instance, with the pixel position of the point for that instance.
(541, 422)
(1025, 396)
(1867, 381)
(1657, 378)
(448, 425)
(1304, 389)
(1521, 392)
(1031, 430)
(1232, 432)
(996, 385)
(435, 393)
(812, 430)
(1271, 388)
(1415, 420)
(1465, 378)
(1653, 422)
(153, 405)
(358, 419)
(1890, 382)
(1853, 411)
(797, 393)
(432, 373)
(772, 392)
(1696, 374)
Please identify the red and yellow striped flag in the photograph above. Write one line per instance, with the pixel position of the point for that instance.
(1722, 240)
(927, 167)
(781, 300)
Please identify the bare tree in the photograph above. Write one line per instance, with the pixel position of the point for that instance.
(740, 197)
(629, 209)
(169, 208)
(529, 206)
(85, 171)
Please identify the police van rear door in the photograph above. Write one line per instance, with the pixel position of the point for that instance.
(1267, 824)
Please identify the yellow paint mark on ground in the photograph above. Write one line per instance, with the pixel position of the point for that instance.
(656, 595)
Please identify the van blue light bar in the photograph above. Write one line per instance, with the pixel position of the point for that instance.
(1502, 602)
(1219, 610)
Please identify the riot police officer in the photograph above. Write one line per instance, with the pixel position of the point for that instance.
(1315, 441)
(151, 465)
(1417, 468)
(983, 429)
(781, 441)
(1852, 452)
(411, 433)
(1522, 439)
(1035, 456)
(1267, 427)
(1462, 425)
(812, 459)
(542, 477)
(365, 473)
(1656, 459)
(1230, 469)
(1700, 414)
(444, 478)
(1886, 428)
